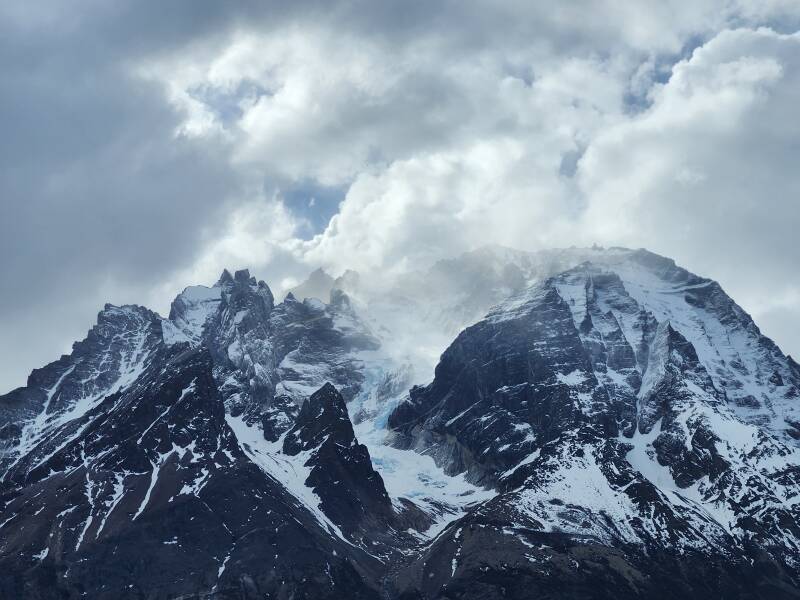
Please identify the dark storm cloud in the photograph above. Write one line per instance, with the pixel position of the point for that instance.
(96, 191)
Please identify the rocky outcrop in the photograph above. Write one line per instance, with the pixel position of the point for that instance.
(269, 358)
(351, 492)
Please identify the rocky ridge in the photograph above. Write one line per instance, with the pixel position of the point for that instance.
(614, 427)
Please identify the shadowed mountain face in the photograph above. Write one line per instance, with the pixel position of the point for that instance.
(350, 490)
(614, 427)
(154, 497)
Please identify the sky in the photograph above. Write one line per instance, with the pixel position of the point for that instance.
(145, 146)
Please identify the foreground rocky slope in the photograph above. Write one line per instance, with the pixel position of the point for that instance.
(615, 427)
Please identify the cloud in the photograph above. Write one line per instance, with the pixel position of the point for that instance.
(708, 174)
(146, 147)
(258, 233)
(97, 195)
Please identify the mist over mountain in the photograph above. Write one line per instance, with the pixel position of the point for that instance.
(581, 422)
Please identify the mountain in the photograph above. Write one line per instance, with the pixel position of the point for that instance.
(625, 459)
(600, 423)
(318, 285)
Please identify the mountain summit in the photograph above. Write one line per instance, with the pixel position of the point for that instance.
(582, 423)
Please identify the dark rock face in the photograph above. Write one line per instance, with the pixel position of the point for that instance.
(112, 356)
(479, 560)
(620, 429)
(498, 395)
(352, 494)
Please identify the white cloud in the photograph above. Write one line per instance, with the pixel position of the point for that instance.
(258, 234)
(449, 125)
(447, 145)
(440, 204)
(708, 175)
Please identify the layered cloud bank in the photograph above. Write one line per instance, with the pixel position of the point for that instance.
(146, 148)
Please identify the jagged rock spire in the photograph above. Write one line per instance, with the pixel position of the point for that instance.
(224, 278)
(341, 469)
